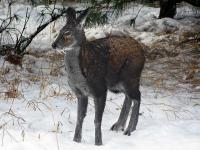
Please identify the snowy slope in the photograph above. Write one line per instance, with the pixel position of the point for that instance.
(146, 24)
(43, 114)
(41, 121)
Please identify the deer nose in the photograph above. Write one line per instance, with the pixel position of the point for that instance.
(53, 45)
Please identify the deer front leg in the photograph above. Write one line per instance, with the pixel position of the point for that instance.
(81, 113)
(121, 122)
(99, 109)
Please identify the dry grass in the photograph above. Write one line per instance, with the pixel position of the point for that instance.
(171, 66)
(12, 88)
(168, 67)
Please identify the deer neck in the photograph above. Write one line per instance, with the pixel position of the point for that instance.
(80, 37)
(72, 55)
(73, 68)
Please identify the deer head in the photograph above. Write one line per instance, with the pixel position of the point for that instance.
(72, 33)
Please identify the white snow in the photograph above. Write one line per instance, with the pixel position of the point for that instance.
(146, 23)
(46, 122)
(43, 116)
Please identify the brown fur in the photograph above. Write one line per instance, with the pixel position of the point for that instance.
(87, 64)
(121, 50)
(124, 49)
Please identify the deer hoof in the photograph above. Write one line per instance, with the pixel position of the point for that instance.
(78, 140)
(127, 132)
(117, 127)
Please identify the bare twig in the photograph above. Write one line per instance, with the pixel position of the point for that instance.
(4, 23)
(20, 38)
(132, 22)
(196, 38)
(28, 40)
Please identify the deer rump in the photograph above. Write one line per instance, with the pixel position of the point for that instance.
(112, 59)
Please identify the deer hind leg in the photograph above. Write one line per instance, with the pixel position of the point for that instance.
(81, 113)
(135, 96)
(121, 122)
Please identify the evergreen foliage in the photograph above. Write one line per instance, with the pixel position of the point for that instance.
(101, 9)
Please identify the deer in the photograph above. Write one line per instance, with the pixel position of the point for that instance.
(93, 68)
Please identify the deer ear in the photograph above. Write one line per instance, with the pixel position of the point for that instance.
(81, 18)
(71, 14)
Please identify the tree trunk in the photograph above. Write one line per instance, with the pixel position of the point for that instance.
(167, 8)
(193, 2)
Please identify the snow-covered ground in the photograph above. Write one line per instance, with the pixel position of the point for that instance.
(42, 115)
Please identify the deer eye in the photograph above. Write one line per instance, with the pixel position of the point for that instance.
(67, 33)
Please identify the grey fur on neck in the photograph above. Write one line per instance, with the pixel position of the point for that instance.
(76, 79)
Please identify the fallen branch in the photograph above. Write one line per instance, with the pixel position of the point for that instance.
(195, 39)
